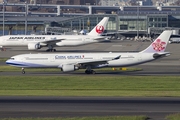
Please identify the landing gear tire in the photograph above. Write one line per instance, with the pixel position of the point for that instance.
(90, 72)
(87, 72)
(93, 72)
(23, 72)
(51, 50)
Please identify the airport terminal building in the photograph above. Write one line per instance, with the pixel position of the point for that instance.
(65, 18)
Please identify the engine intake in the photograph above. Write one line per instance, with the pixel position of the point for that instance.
(34, 46)
(69, 68)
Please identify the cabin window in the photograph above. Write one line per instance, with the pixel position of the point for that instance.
(88, 58)
(36, 58)
(108, 57)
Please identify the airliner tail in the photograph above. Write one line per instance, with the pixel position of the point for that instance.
(99, 28)
(159, 45)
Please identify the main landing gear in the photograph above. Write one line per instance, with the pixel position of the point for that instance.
(90, 72)
(50, 49)
(23, 72)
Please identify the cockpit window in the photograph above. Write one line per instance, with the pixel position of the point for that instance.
(11, 58)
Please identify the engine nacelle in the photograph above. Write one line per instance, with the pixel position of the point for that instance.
(69, 68)
(34, 46)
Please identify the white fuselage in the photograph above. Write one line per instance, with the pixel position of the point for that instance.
(73, 61)
(68, 40)
(57, 60)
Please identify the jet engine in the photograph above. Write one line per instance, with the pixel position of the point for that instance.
(69, 68)
(34, 46)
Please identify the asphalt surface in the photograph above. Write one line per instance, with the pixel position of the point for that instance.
(166, 66)
(30, 106)
(155, 108)
(148, 70)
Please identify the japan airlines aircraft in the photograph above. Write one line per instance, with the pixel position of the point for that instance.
(35, 42)
(74, 61)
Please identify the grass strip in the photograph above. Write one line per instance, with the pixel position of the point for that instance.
(173, 116)
(87, 93)
(3, 59)
(13, 69)
(131, 86)
(86, 118)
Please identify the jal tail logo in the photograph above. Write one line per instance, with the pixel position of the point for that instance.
(99, 29)
(158, 45)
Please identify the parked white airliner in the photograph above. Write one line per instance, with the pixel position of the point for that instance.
(34, 42)
(74, 61)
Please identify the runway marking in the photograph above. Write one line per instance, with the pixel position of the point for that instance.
(118, 46)
(139, 46)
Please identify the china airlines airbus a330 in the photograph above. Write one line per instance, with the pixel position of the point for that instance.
(74, 61)
(35, 42)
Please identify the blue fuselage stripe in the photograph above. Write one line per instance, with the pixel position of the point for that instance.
(16, 64)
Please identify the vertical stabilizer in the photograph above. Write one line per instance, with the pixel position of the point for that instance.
(99, 28)
(159, 45)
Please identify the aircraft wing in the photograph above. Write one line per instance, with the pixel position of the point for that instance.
(51, 42)
(96, 62)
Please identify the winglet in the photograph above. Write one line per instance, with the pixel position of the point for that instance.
(159, 45)
(99, 28)
(116, 58)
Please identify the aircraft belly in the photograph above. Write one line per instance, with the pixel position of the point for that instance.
(32, 64)
(69, 43)
(12, 45)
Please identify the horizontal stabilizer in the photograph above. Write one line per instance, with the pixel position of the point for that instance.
(159, 55)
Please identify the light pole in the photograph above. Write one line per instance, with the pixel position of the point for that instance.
(138, 21)
(26, 18)
(3, 18)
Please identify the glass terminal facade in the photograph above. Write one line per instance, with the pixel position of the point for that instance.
(128, 19)
(85, 23)
(116, 22)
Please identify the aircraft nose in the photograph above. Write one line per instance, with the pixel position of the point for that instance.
(9, 61)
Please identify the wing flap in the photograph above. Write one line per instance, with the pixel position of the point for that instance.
(97, 61)
(90, 62)
(51, 42)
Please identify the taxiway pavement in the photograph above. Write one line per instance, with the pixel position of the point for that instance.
(166, 66)
(156, 108)
(49, 106)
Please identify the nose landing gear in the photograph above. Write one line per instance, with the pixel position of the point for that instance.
(23, 72)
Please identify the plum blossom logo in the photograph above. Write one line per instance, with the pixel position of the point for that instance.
(99, 29)
(158, 45)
